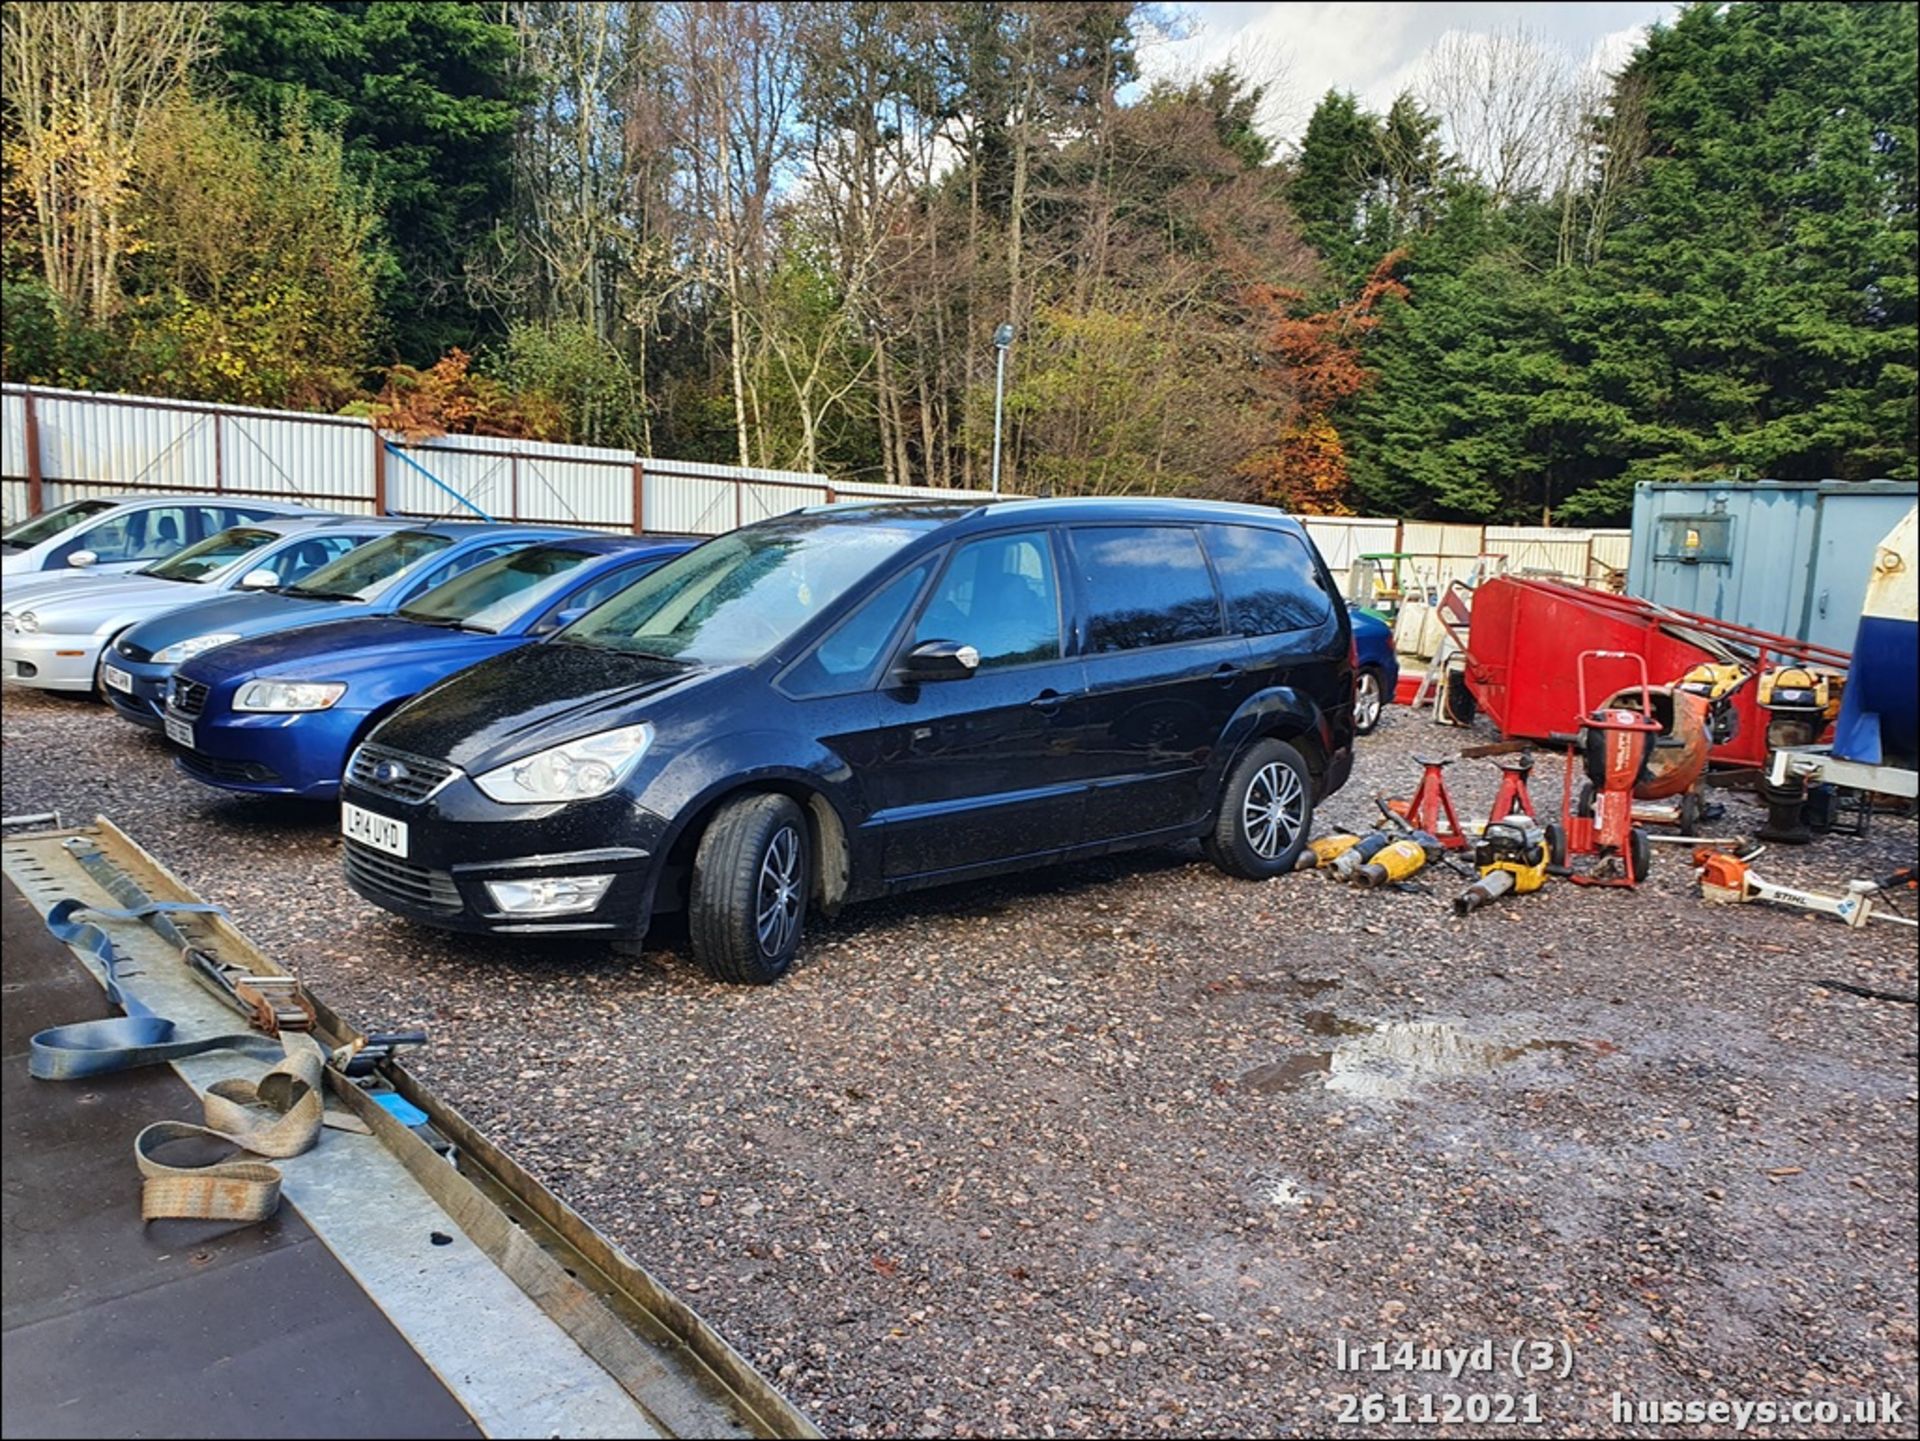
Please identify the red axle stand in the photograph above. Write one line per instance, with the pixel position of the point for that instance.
(1512, 796)
(1430, 801)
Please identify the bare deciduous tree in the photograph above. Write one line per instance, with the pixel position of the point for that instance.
(1505, 99)
(84, 81)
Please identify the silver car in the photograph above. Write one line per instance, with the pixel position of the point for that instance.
(128, 532)
(53, 634)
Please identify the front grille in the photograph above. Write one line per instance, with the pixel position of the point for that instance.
(399, 775)
(248, 772)
(390, 876)
(131, 651)
(189, 697)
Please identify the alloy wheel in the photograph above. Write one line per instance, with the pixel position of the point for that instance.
(1273, 811)
(778, 901)
(1366, 700)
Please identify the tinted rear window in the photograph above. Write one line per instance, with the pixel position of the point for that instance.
(1268, 578)
(1144, 585)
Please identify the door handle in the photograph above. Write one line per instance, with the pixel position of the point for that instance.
(1047, 701)
(1226, 672)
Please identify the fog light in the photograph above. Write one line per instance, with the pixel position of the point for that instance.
(549, 895)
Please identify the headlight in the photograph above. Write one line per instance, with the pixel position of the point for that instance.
(288, 695)
(579, 770)
(28, 622)
(184, 650)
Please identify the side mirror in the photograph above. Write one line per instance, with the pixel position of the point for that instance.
(261, 579)
(83, 558)
(561, 621)
(939, 660)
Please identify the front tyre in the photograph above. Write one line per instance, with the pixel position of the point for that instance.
(751, 879)
(1265, 813)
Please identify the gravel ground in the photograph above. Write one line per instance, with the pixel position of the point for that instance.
(1127, 1146)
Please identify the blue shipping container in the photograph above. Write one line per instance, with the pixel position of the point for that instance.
(1792, 557)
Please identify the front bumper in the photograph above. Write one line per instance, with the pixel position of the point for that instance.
(146, 701)
(300, 754)
(47, 661)
(458, 839)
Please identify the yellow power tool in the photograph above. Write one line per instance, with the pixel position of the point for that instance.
(1512, 857)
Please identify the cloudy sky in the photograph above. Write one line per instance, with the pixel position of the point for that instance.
(1375, 50)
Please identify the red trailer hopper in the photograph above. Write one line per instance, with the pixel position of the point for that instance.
(1525, 638)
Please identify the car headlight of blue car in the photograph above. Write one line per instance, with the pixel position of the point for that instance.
(287, 697)
(185, 650)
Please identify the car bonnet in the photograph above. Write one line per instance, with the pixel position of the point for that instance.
(534, 697)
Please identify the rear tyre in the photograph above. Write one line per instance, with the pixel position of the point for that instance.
(752, 875)
(1266, 812)
(1369, 699)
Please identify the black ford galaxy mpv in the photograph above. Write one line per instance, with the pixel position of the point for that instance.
(848, 702)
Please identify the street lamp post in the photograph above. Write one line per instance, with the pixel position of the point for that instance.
(1002, 338)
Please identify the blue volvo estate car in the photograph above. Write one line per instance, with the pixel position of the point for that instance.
(376, 579)
(280, 713)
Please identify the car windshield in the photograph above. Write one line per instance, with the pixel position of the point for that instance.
(493, 596)
(32, 532)
(737, 598)
(199, 562)
(361, 574)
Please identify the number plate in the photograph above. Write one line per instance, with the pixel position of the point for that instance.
(178, 731)
(118, 679)
(378, 831)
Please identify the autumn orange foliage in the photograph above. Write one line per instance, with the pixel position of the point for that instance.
(1313, 363)
(448, 398)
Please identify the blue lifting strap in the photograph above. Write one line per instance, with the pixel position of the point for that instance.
(139, 1038)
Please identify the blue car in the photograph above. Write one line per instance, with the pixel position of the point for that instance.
(376, 579)
(279, 714)
(1376, 669)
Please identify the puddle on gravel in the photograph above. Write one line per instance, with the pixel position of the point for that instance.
(1389, 1060)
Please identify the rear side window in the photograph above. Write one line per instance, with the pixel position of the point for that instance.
(1144, 585)
(1269, 579)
